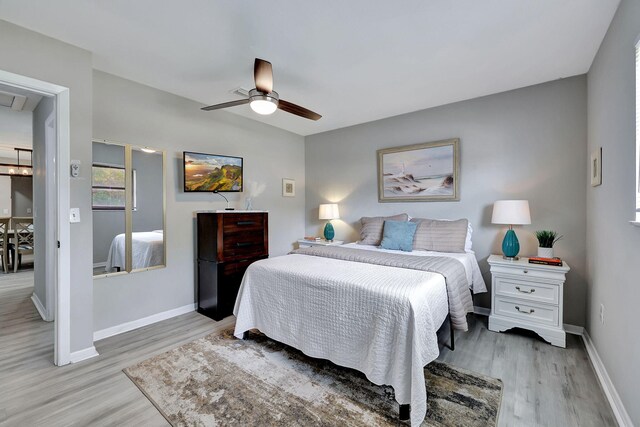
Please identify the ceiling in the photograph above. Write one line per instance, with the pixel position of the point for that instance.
(18, 99)
(352, 62)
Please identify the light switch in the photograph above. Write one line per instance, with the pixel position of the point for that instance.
(74, 215)
(28, 210)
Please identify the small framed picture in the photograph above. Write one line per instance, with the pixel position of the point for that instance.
(288, 187)
(596, 167)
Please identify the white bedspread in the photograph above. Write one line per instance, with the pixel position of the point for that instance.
(379, 320)
(147, 250)
(468, 259)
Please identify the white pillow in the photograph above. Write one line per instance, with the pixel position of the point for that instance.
(467, 242)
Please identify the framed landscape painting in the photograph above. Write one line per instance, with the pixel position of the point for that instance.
(420, 173)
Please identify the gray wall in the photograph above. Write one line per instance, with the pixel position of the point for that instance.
(15, 127)
(40, 204)
(21, 196)
(613, 245)
(148, 213)
(129, 112)
(524, 144)
(5, 196)
(34, 55)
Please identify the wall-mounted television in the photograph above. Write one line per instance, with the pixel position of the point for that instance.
(211, 172)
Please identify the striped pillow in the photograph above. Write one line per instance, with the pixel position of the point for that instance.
(440, 236)
(371, 231)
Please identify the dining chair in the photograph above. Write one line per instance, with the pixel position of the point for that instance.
(23, 232)
(4, 242)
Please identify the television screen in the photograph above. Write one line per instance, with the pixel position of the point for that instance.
(210, 172)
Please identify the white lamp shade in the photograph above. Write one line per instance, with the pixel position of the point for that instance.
(511, 212)
(329, 211)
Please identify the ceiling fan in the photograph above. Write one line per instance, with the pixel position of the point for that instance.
(263, 99)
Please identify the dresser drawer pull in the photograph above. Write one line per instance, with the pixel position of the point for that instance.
(245, 222)
(531, 311)
(244, 244)
(525, 271)
(525, 292)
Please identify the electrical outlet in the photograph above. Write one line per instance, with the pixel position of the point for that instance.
(602, 313)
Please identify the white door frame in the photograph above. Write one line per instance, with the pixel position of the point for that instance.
(62, 285)
(50, 219)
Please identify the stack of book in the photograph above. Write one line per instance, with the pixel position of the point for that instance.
(546, 261)
(313, 238)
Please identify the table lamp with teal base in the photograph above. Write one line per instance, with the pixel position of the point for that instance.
(329, 211)
(511, 212)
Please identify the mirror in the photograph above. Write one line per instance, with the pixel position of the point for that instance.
(128, 201)
(147, 217)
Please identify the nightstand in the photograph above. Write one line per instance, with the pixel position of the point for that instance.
(302, 243)
(527, 296)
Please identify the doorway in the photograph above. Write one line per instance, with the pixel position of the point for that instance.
(51, 206)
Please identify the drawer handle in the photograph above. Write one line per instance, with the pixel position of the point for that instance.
(525, 271)
(243, 244)
(531, 310)
(245, 222)
(525, 292)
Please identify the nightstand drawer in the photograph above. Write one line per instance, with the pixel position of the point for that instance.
(526, 290)
(532, 271)
(524, 310)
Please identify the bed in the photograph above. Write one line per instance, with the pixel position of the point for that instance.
(378, 318)
(147, 250)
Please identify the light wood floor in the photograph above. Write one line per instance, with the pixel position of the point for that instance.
(543, 385)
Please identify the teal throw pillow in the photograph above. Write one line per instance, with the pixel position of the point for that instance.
(398, 235)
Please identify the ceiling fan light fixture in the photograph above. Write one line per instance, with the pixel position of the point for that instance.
(264, 104)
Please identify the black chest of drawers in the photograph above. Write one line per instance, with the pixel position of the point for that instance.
(227, 244)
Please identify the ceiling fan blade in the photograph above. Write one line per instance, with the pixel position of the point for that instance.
(263, 75)
(225, 105)
(297, 110)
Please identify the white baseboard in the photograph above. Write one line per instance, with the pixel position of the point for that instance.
(622, 417)
(573, 329)
(135, 324)
(40, 307)
(80, 355)
(99, 264)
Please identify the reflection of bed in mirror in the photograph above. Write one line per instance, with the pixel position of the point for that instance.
(147, 250)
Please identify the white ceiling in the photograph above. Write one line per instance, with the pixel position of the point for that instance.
(8, 94)
(352, 62)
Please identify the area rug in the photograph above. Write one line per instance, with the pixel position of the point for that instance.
(219, 380)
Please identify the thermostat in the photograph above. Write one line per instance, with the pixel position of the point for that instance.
(75, 168)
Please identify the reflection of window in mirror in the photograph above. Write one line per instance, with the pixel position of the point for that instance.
(108, 187)
(108, 199)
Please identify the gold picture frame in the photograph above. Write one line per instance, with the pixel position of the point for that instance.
(428, 172)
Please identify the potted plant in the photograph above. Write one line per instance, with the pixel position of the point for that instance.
(546, 240)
